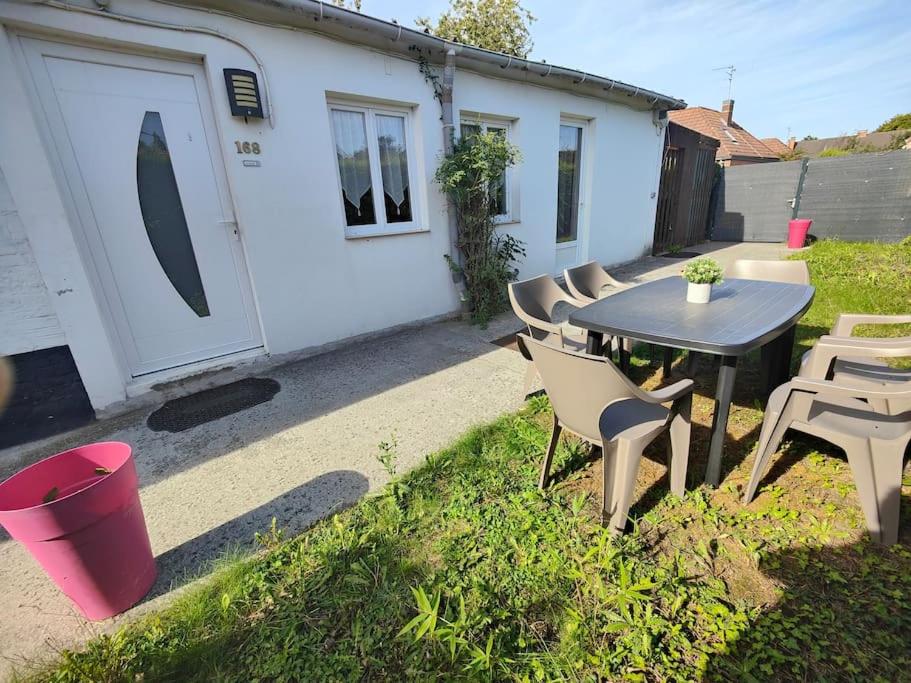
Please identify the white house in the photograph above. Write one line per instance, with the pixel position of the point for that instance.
(154, 232)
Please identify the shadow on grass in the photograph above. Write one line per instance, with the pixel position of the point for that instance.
(844, 614)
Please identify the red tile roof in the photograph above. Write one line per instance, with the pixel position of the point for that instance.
(736, 142)
(776, 145)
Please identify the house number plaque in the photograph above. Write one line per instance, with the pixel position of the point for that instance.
(247, 147)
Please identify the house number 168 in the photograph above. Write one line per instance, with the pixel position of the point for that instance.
(247, 147)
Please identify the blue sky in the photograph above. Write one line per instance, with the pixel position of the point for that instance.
(823, 68)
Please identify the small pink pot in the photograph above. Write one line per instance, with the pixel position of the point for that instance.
(91, 538)
(797, 232)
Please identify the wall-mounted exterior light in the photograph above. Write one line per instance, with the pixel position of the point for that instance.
(243, 93)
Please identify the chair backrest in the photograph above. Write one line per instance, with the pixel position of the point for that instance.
(579, 385)
(585, 282)
(533, 300)
(791, 272)
(587, 279)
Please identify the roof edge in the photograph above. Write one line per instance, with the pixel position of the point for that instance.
(363, 29)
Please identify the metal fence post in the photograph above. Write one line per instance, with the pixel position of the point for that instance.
(795, 203)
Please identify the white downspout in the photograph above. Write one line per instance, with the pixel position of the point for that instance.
(448, 140)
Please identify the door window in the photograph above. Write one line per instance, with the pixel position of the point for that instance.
(569, 164)
(163, 216)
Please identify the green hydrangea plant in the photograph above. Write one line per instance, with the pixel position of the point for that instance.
(703, 271)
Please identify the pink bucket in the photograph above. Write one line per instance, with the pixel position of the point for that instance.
(797, 232)
(90, 536)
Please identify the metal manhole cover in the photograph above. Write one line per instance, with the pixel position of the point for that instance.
(191, 411)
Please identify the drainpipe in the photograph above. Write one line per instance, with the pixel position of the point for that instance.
(448, 139)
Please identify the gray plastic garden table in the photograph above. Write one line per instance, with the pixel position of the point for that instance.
(743, 315)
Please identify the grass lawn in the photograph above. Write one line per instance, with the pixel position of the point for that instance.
(463, 569)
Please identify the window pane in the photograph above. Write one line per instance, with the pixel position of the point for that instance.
(353, 166)
(390, 133)
(498, 187)
(162, 213)
(470, 129)
(568, 165)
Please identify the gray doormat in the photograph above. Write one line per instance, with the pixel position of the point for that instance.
(680, 254)
(191, 411)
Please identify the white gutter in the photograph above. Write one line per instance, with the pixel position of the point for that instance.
(324, 17)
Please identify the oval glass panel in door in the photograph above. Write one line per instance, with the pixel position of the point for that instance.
(162, 213)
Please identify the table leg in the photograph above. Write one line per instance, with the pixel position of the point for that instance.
(787, 351)
(723, 393)
(593, 343)
(768, 361)
(776, 361)
(624, 355)
(668, 362)
(692, 360)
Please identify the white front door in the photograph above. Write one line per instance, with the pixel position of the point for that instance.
(140, 158)
(570, 200)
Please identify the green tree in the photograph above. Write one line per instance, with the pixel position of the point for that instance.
(897, 122)
(354, 5)
(498, 25)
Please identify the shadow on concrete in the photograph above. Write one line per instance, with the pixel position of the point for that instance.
(293, 512)
(310, 389)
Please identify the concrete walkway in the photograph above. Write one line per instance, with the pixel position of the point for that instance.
(309, 451)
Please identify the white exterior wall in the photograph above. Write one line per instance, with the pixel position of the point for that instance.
(619, 176)
(27, 321)
(312, 285)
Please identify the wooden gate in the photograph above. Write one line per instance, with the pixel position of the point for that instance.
(668, 200)
(684, 197)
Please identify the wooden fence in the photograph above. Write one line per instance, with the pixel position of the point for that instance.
(684, 198)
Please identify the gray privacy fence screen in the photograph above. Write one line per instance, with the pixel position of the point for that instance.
(861, 197)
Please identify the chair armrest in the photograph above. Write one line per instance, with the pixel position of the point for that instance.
(581, 299)
(544, 326)
(614, 282)
(672, 393)
(846, 322)
(828, 348)
(823, 387)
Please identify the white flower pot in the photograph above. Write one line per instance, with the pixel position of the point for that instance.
(698, 293)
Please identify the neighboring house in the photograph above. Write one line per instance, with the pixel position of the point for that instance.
(736, 144)
(776, 146)
(158, 230)
(862, 141)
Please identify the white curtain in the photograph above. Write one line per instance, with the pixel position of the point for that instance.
(390, 131)
(353, 158)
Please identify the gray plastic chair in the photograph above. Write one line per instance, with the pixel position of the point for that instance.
(791, 272)
(858, 361)
(592, 399)
(533, 301)
(875, 443)
(586, 282)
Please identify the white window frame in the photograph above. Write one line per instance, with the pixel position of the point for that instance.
(576, 251)
(467, 119)
(381, 227)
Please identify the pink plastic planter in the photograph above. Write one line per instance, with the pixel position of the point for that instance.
(797, 232)
(91, 539)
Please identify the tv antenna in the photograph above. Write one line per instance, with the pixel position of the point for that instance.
(730, 72)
